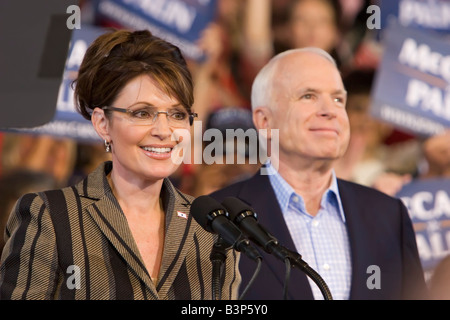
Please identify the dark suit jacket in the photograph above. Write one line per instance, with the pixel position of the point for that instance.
(84, 226)
(380, 233)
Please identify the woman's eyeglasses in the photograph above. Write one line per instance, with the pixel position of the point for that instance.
(147, 115)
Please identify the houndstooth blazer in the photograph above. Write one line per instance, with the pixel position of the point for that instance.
(75, 243)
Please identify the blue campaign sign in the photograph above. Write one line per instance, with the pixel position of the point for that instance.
(428, 203)
(424, 14)
(411, 89)
(177, 21)
(67, 122)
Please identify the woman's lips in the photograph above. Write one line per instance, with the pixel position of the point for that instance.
(158, 152)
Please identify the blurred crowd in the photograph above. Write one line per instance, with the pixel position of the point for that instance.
(243, 37)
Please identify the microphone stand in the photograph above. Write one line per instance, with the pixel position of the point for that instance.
(218, 256)
(297, 261)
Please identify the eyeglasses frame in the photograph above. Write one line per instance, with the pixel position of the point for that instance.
(191, 115)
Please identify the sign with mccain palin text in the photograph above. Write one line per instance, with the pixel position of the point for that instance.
(428, 203)
(431, 15)
(180, 22)
(412, 85)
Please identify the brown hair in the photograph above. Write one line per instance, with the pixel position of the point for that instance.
(117, 57)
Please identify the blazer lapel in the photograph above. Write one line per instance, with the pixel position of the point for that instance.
(112, 222)
(107, 214)
(360, 238)
(271, 217)
(178, 238)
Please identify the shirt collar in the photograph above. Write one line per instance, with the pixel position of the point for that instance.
(284, 191)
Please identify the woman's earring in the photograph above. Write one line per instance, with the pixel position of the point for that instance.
(107, 146)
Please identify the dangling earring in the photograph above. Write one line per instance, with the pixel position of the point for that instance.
(107, 146)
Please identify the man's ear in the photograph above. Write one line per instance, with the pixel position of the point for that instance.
(101, 124)
(263, 120)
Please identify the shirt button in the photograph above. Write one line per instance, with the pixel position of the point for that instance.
(295, 198)
(315, 223)
(326, 266)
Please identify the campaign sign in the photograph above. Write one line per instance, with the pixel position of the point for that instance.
(412, 84)
(423, 14)
(428, 203)
(180, 22)
(67, 122)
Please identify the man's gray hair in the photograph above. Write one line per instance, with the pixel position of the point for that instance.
(263, 83)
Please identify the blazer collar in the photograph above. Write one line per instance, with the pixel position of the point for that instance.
(361, 244)
(284, 190)
(98, 200)
(180, 229)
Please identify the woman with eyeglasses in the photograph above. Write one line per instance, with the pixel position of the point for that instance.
(124, 232)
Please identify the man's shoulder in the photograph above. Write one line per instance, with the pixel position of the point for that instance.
(245, 185)
(230, 190)
(356, 187)
(363, 193)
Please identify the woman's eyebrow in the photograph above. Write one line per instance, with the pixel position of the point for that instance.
(146, 103)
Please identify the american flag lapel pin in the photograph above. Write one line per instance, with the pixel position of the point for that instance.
(182, 214)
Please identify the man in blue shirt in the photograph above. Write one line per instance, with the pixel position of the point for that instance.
(359, 240)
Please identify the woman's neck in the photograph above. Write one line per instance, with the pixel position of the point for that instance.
(142, 196)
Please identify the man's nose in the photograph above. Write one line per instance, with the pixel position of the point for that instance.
(327, 107)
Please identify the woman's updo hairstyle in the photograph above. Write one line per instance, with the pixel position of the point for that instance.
(119, 56)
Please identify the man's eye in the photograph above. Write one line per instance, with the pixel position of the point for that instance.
(307, 96)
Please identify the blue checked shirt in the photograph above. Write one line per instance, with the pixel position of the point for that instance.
(322, 240)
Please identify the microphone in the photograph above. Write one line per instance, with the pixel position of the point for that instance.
(213, 217)
(246, 219)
